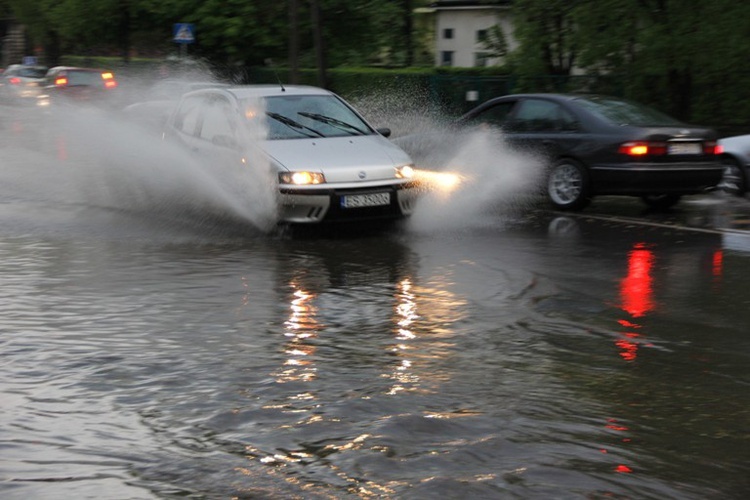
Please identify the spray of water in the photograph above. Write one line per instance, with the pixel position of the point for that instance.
(497, 181)
(118, 161)
(87, 156)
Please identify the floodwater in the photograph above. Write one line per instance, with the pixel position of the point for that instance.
(160, 340)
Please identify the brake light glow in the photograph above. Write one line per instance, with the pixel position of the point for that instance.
(719, 149)
(14, 80)
(61, 81)
(643, 148)
(712, 148)
(109, 80)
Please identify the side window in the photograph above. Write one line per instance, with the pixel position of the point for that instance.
(536, 115)
(496, 115)
(186, 120)
(218, 126)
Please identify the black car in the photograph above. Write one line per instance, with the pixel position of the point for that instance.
(600, 145)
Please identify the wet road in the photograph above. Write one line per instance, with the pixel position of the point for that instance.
(151, 353)
(544, 357)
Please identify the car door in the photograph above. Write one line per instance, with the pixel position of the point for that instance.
(217, 137)
(545, 127)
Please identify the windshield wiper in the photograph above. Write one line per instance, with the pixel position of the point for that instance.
(291, 123)
(333, 121)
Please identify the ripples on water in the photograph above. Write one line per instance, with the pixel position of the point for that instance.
(145, 356)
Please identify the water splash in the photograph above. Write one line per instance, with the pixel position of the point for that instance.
(497, 181)
(79, 156)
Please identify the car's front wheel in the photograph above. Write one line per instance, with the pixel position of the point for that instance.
(568, 185)
(733, 180)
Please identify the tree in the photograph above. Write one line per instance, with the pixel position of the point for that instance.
(546, 30)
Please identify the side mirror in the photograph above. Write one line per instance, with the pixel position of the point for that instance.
(384, 131)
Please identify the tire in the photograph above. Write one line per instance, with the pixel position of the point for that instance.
(661, 201)
(568, 185)
(733, 181)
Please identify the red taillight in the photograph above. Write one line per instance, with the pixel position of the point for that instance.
(61, 81)
(712, 148)
(719, 149)
(643, 148)
(14, 80)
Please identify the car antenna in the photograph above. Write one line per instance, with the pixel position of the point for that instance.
(279, 80)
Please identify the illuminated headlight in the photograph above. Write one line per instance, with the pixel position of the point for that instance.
(405, 172)
(301, 178)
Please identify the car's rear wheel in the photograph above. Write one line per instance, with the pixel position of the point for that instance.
(733, 180)
(568, 185)
(661, 201)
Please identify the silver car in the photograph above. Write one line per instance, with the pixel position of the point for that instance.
(20, 82)
(735, 156)
(331, 165)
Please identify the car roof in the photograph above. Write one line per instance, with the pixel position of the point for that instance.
(75, 68)
(255, 91)
(555, 96)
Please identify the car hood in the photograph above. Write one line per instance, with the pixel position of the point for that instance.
(737, 141)
(341, 159)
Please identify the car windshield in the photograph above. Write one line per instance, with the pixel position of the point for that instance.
(621, 112)
(304, 116)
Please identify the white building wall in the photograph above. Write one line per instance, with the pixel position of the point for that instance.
(465, 23)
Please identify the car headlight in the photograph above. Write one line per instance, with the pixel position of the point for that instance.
(301, 178)
(405, 172)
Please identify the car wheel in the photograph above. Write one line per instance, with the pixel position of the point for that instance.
(733, 181)
(568, 185)
(661, 201)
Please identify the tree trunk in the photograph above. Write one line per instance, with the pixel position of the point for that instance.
(294, 41)
(317, 25)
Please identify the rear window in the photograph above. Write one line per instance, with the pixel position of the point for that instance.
(32, 72)
(84, 78)
(621, 112)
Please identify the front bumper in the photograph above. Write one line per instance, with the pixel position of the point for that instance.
(655, 178)
(299, 206)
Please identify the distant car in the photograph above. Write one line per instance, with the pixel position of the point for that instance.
(331, 165)
(600, 145)
(19, 83)
(66, 84)
(735, 156)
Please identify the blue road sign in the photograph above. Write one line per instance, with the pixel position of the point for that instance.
(29, 61)
(183, 33)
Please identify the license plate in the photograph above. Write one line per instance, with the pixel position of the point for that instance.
(684, 148)
(365, 200)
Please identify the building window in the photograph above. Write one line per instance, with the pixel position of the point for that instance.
(481, 36)
(481, 59)
(448, 33)
(446, 58)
